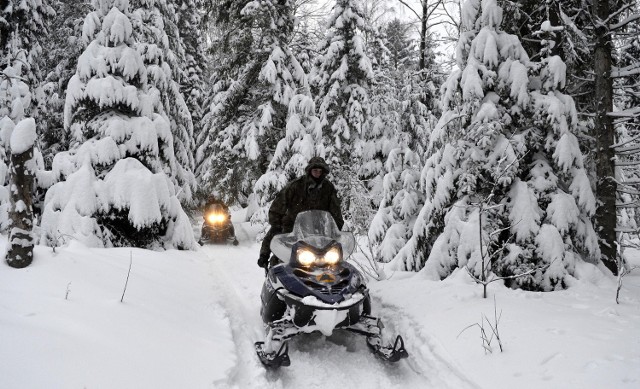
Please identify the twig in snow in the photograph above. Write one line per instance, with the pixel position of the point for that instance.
(128, 273)
(66, 295)
(484, 335)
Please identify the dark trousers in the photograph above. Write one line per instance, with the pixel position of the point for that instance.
(265, 251)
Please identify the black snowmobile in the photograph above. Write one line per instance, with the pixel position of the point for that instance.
(217, 226)
(315, 289)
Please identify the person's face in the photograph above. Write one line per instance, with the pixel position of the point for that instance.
(316, 172)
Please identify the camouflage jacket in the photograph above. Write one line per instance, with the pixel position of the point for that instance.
(304, 194)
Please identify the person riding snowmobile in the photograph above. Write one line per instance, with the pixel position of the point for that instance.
(308, 192)
(213, 205)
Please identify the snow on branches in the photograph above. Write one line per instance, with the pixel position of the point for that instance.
(116, 185)
(504, 177)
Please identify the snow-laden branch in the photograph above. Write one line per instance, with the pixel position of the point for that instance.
(627, 71)
(629, 19)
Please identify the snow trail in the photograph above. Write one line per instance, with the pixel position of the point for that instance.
(340, 360)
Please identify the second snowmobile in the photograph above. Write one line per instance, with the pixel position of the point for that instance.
(217, 226)
(316, 289)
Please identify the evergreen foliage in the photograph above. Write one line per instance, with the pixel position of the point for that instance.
(256, 77)
(341, 81)
(152, 19)
(21, 30)
(116, 183)
(303, 140)
(194, 62)
(60, 56)
(509, 152)
(401, 197)
(15, 98)
(401, 47)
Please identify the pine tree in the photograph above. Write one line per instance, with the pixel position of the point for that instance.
(117, 188)
(401, 47)
(151, 20)
(401, 197)
(21, 29)
(503, 158)
(303, 140)
(255, 80)
(341, 82)
(194, 62)
(60, 54)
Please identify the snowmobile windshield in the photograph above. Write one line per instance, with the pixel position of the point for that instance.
(316, 228)
(215, 208)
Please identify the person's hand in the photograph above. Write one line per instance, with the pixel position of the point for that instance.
(263, 262)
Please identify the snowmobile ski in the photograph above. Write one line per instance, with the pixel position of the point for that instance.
(274, 359)
(388, 353)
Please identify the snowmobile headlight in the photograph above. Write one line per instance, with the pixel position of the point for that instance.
(332, 256)
(216, 218)
(306, 257)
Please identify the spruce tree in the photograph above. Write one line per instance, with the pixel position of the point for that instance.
(60, 54)
(401, 198)
(116, 187)
(194, 62)
(302, 140)
(151, 21)
(22, 24)
(340, 81)
(503, 166)
(256, 77)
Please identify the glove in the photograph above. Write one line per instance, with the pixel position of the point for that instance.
(263, 262)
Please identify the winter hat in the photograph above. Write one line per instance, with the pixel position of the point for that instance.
(317, 162)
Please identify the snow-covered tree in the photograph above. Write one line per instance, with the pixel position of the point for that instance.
(151, 19)
(116, 186)
(21, 29)
(17, 137)
(23, 26)
(22, 173)
(401, 198)
(194, 62)
(256, 78)
(60, 54)
(505, 151)
(15, 97)
(341, 80)
(302, 140)
(401, 47)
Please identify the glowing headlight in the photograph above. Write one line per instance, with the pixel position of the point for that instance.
(216, 218)
(332, 256)
(306, 257)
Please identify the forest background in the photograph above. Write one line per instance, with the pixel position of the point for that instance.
(513, 154)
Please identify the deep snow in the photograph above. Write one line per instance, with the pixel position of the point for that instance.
(189, 320)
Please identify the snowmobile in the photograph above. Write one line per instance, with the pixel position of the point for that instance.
(217, 226)
(314, 288)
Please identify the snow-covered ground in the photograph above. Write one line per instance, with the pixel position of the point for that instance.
(189, 320)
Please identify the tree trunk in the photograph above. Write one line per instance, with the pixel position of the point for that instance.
(423, 37)
(20, 250)
(422, 62)
(606, 185)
